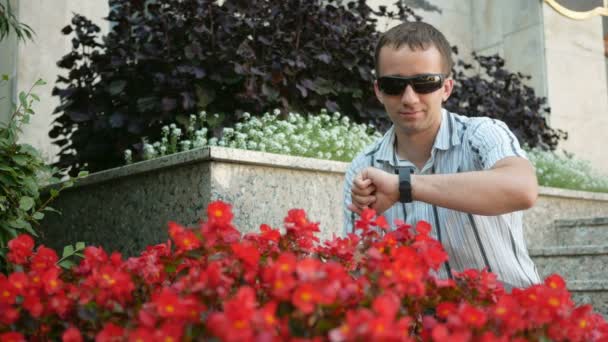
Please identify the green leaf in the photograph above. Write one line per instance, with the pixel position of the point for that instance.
(38, 216)
(5, 77)
(68, 251)
(80, 245)
(54, 192)
(40, 82)
(52, 210)
(26, 203)
(116, 87)
(18, 223)
(82, 174)
(67, 264)
(28, 228)
(23, 99)
(20, 159)
(35, 97)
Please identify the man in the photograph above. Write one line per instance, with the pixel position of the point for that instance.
(468, 177)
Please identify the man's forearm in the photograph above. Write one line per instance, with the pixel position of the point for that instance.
(508, 187)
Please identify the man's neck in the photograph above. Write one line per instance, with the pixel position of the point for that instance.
(417, 147)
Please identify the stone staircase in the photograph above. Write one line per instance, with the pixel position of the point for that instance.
(578, 251)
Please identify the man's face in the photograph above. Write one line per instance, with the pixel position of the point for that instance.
(412, 113)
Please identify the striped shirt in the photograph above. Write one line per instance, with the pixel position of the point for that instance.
(471, 241)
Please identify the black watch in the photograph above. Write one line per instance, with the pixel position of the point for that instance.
(405, 183)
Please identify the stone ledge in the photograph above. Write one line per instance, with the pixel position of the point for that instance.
(588, 285)
(221, 154)
(567, 193)
(596, 221)
(569, 250)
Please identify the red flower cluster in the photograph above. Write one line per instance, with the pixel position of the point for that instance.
(212, 283)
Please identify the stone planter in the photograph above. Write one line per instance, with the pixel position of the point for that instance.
(128, 208)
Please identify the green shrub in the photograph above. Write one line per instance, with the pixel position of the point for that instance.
(563, 170)
(23, 174)
(323, 136)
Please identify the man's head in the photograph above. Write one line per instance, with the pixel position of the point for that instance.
(413, 63)
(417, 36)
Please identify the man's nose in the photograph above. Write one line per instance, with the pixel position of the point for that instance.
(409, 95)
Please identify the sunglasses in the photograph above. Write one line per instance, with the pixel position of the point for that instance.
(422, 84)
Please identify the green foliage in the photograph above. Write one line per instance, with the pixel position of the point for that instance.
(563, 170)
(323, 136)
(24, 173)
(8, 22)
(70, 253)
(164, 58)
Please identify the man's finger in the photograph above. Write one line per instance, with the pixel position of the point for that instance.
(362, 183)
(363, 191)
(363, 201)
(354, 209)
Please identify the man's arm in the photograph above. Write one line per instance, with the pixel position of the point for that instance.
(510, 185)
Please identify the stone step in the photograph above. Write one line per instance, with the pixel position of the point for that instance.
(573, 263)
(594, 292)
(592, 231)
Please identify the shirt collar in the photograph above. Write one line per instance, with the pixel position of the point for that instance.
(447, 137)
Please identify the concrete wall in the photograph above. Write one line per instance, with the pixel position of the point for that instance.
(577, 85)
(38, 59)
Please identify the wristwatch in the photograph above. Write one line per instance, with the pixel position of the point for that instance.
(405, 183)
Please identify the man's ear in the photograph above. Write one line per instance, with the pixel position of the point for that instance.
(447, 88)
(378, 92)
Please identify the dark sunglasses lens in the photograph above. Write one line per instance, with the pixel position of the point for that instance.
(391, 86)
(427, 84)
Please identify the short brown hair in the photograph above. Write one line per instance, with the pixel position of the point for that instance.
(417, 35)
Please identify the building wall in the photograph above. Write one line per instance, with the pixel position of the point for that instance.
(514, 30)
(577, 85)
(38, 59)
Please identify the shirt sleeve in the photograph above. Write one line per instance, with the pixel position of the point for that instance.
(355, 167)
(492, 141)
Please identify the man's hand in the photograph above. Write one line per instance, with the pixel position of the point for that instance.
(374, 188)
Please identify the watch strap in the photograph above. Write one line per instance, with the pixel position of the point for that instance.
(405, 183)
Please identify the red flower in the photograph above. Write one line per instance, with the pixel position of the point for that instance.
(141, 335)
(8, 293)
(423, 229)
(381, 222)
(269, 234)
(555, 281)
(169, 332)
(20, 249)
(387, 305)
(305, 297)
(168, 304)
(445, 309)
(19, 282)
(8, 315)
(219, 212)
(59, 304)
(44, 259)
(51, 281)
(12, 337)
(71, 334)
(308, 269)
(472, 316)
(247, 253)
(110, 333)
